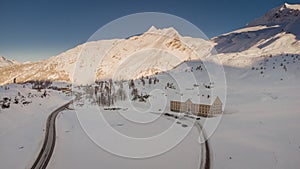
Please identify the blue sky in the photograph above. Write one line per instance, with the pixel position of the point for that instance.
(35, 30)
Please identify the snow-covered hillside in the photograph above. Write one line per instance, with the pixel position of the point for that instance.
(111, 56)
(283, 15)
(260, 121)
(157, 50)
(258, 129)
(23, 114)
(275, 33)
(6, 62)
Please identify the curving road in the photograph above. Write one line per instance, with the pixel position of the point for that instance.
(205, 148)
(49, 141)
(205, 157)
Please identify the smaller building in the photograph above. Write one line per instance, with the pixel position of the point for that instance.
(197, 109)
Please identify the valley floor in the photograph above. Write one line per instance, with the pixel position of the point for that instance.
(22, 126)
(259, 129)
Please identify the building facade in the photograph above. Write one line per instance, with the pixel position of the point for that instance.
(197, 109)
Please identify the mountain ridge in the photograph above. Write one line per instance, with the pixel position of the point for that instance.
(165, 48)
(6, 62)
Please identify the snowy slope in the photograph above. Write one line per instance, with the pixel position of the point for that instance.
(158, 50)
(258, 129)
(154, 51)
(283, 15)
(22, 125)
(260, 121)
(260, 125)
(275, 33)
(6, 62)
(108, 56)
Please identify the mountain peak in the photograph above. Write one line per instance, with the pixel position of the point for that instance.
(152, 29)
(282, 15)
(6, 62)
(2, 58)
(172, 32)
(290, 6)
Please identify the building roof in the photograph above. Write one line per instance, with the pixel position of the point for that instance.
(188, 101)
(198, 100)
(217, 100)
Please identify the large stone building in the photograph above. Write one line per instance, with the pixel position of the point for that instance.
(198, 109)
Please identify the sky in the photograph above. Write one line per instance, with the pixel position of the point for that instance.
(36, 30)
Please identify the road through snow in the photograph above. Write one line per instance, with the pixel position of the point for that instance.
(49, 141)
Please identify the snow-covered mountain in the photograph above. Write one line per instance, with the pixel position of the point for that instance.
(157, 50)
(284, 15)
(275, 33)
(154, 51)
(6, 62)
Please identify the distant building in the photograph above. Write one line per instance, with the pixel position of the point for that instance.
(197, 109)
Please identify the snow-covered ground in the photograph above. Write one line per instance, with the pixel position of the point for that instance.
(6, 62)
(75, 150)
(22, 125)
(259, 128)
